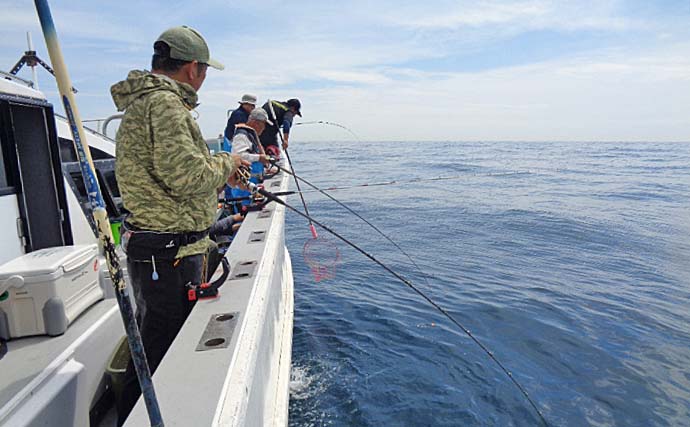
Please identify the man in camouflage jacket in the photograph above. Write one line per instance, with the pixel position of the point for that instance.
(169, 183)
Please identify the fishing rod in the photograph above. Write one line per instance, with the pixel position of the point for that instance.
(256, 189)
(100, 214)
(375, 184)
(352, 211)
(323, 122)
(384, 235)
(282, 140)
(425, 275)
(400, 182)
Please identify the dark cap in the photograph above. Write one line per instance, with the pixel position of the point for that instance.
(294, 102)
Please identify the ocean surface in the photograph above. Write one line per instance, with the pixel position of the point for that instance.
(570, 261)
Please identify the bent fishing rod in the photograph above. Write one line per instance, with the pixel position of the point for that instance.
(352, 211)
(270, 196)
(386, 183)
(324, 122)
(100, 214)
(282, 140)
(424, 274)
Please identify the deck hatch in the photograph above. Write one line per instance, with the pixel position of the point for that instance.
(257, 236)
(218, 332)
(266, 213)
(243, 270)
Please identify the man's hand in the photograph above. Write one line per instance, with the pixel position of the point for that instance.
(285, 141)
(233, 179)
(263, 158)
(237, 160)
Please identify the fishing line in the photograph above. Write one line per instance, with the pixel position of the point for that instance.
(409, 284)
(323, 122)
(317, 189)
(352, 211)
(405, 181)
(282, 140)
(384, 183)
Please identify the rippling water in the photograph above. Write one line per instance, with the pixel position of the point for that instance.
(575, 272)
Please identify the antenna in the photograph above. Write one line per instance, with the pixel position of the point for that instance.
(34, 75)
(32, 60)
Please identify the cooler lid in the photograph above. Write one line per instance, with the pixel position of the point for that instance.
(48, 260)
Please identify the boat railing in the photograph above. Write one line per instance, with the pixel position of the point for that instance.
(91, 130)
(14, 78)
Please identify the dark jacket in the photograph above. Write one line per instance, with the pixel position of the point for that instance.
(283, 117)
(238, 116)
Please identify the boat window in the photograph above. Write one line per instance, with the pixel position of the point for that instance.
(105, 172)
(4, 184)
(67, 153)
(31, 169)
(7, 180)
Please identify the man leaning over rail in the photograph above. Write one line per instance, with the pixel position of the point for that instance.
(284, 115)
(169, 183)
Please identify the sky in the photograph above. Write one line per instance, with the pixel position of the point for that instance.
(532, 70)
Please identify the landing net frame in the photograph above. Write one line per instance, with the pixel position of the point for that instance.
(322, 256)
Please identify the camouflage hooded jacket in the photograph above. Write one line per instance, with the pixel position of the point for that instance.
(166, 175)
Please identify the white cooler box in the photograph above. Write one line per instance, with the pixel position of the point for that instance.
(42, 292)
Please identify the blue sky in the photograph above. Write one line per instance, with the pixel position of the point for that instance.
(396, 70)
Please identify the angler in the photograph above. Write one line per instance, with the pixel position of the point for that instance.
(245, 143)
(168, 181)
(282, 116)
(283, 138)
(239, 115)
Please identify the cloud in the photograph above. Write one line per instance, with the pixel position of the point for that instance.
(392, 70)
(530, 14)
(606, 95)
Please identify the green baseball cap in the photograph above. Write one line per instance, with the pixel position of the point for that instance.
(186, 44)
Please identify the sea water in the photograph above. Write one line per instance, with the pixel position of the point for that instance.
(570, 261)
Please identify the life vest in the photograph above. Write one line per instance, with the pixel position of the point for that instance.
(250, 133)
(257, 168)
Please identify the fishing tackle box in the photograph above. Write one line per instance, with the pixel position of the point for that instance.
(42, 292)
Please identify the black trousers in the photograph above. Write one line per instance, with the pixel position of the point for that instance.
(162, 308)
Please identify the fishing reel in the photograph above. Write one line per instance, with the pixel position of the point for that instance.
(243, 174)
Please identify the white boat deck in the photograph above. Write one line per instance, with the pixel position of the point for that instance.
(45, 366)
(29, 356)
